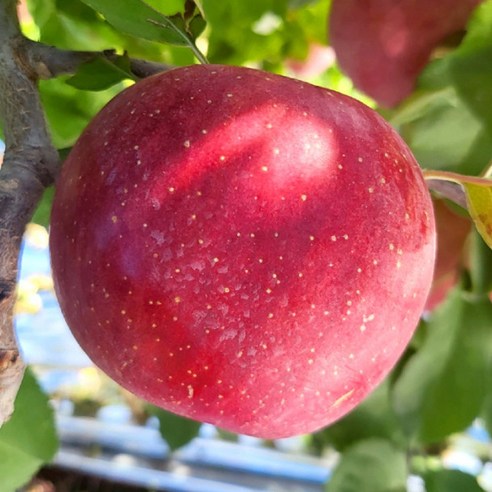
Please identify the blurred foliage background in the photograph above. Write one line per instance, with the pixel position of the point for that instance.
(442, 384)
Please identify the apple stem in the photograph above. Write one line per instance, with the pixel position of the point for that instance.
(199, 55)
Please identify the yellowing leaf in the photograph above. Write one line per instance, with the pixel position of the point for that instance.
(479, 200)
(472, 192)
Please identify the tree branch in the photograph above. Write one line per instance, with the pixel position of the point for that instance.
(49, 62)
(30, 164)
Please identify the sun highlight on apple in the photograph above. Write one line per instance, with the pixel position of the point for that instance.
(242, 248)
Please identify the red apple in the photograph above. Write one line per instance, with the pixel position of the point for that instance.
(452, 231)
(383, 45)
(242, 248)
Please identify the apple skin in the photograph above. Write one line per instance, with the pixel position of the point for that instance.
(383, 45)
(242, 248)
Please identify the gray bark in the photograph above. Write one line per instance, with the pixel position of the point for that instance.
(30, 164)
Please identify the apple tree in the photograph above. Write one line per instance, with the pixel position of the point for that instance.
(253, 250)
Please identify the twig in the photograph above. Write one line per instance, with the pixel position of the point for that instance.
(48, 61)
(145, 68)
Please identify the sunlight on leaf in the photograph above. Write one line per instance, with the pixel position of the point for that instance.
(479, 200)
(137, 18)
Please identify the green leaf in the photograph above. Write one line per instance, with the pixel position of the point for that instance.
(450, 481)
(193, 18)
(373, 465)
(469, 67)
(480, 265)
(443, 132)
(300, 3)
(374, 417)
(41, 11)
(196, 26)
(176, 430)
(69, 110)
(101, 73)
(235, 37)
(441, 389)
(167, 7)
(479, 32)
(486, 413)
(28, 439)
(137, 18)
(43, 211)
(453, 130)
(479, 199)
(71, 24)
